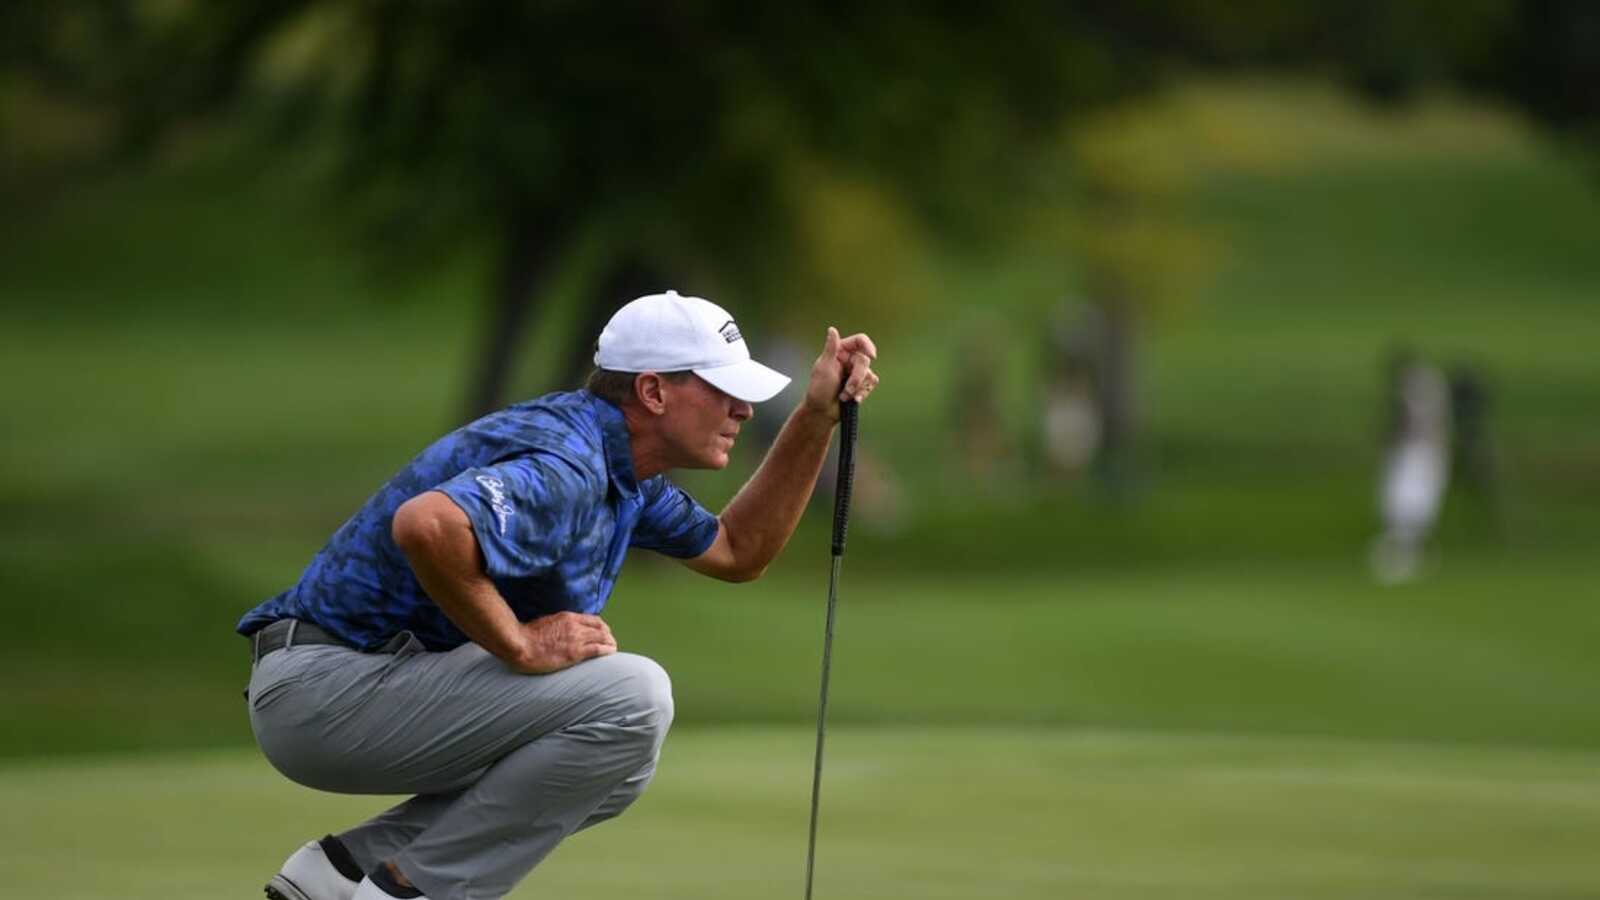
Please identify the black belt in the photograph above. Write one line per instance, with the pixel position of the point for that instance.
(287, 633)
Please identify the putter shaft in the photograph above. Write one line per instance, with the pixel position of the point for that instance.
(848, 412)
(822, 719)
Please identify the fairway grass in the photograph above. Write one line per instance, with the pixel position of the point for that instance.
(907, 812)
(1482, 653)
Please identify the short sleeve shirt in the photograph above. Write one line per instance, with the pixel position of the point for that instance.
(548, 486)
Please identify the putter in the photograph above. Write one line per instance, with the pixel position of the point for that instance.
(848, 411)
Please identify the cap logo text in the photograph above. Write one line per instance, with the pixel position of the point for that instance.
(730, 332)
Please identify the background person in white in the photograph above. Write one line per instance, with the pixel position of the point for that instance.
(533, 725)
(1416, 467)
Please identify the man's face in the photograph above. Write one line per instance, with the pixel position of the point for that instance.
(701, 423)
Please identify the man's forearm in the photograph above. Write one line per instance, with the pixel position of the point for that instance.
(763, 515)
(437, 540)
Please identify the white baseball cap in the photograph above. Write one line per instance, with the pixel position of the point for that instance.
(673, 333)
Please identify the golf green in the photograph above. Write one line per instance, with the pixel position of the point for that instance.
(907, 812)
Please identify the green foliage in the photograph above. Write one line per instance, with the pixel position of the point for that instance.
(711, 138)
(693, 136)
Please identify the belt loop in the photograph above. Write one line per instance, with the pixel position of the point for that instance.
(288, 639)
(255, 646)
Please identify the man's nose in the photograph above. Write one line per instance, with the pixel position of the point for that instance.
(742, 410)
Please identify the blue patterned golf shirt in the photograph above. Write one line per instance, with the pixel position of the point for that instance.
(549, 488)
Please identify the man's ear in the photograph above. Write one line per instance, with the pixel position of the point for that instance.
(648, 390)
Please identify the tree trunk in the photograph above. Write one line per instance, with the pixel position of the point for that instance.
(627, 277)
(530, 245)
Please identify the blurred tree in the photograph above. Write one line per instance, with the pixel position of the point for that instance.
(52, 115)
(1545, 60)
(762, 151)
(742, 145)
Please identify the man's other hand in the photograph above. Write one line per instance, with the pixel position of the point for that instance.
(565, 639)
(842, 372)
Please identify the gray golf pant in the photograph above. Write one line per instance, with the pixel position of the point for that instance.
(503, 765)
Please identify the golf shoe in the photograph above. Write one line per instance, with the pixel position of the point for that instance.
(309, 874)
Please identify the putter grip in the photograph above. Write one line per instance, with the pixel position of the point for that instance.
(848, 413)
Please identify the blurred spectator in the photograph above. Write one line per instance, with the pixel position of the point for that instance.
(1416, 465)
(980, 432)
(1474, 455)
(1071, 419)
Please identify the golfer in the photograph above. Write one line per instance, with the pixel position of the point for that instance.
(447, 642)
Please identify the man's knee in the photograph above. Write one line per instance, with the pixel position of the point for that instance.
(641, 693)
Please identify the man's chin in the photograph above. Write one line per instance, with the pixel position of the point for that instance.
(719, 459)
(714, 461)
